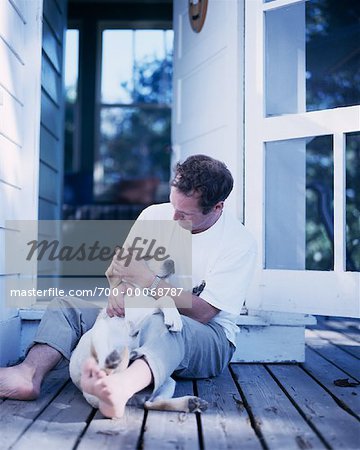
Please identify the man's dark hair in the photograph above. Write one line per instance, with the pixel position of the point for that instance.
(206, 176)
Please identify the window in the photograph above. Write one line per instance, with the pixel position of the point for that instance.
(353, 202)
(132, 164)
(312, 56)
(71, 97)
(299, 222)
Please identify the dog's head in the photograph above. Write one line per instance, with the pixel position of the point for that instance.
(162, 268)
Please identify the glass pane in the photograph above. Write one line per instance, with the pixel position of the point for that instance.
(136, 66)
(299, 204)
(285, 60)
(153, 66)
(332, 53)
(71, 87)
(353, 202)
(71, 63)
(328, 33)
(134, 161)
(117, 66)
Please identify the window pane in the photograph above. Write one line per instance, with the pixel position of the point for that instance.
(332, 53)
(328, 33)
(299, 204)
(285, 60)
(134, 161)
(117, 66)
(153, 66)
(136, 66)
(353, 202)
(71, 87)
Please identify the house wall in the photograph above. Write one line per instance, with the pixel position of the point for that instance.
(20, 57)
(52, 110)
(208, 88)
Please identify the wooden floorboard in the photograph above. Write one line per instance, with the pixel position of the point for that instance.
(336, 355)
(251, 406)
(169, 430)
(16, 417)
(337, 427)
(330, 377)
(106, 434)
(226, 424)
(280, 424)
(60, 424)
(341, 340)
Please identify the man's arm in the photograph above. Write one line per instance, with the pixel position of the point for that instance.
(139, 274)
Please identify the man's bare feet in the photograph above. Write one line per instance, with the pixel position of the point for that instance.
(19, 383)
(109, 389)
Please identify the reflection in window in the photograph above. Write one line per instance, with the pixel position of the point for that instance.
(353, 202)
(299, 224)
(332, 53)
(71, 89)
(312, 56)
(133, 163)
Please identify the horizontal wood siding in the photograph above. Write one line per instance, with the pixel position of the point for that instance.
(52, 109)
(20, 34)
(12, 48)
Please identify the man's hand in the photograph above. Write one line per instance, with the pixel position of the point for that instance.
(116, 304)
(132, 270)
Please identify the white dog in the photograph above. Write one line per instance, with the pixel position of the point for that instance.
(112, 339)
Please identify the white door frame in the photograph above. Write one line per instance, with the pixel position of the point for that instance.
(331, 293)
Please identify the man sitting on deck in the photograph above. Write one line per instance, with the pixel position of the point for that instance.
(223, 256)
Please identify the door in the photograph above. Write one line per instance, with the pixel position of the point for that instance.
(208, 94)
(302, 148)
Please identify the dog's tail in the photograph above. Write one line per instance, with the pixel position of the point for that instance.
(187, 404)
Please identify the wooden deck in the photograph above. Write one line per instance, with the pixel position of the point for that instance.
(253, 406)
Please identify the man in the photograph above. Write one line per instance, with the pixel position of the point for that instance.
(222, 264)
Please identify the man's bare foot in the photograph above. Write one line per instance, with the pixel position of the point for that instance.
(19, 383)
(109, 389)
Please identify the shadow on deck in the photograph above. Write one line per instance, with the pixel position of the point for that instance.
(252, 406)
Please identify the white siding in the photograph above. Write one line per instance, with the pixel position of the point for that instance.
(20, 53)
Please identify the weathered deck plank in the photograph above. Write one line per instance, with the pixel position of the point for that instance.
(338, 428)
(326, 374)
(16, 416)
(111, 434)
(60, 424)
(169, 430)
(280, 424)
(280, 407)
(226, 424)
(349, 327)
(339, 339)
(346, 362)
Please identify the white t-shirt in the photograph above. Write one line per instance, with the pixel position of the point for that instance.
(223, 256)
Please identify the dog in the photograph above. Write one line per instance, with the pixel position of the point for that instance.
(111, 340)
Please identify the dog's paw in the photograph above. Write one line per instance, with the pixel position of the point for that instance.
(197, 404)
(173, 321)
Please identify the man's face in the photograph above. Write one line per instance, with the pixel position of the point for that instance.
(188, 213)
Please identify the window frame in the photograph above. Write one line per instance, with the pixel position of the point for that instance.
(293, 290)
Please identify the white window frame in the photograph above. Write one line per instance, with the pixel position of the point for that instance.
(316, 292)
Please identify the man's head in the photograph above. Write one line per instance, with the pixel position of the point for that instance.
(199, 189)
